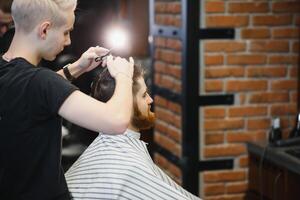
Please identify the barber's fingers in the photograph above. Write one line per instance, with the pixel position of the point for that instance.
(91, 55)
(101, 51)
(131, 61)
(109, 60)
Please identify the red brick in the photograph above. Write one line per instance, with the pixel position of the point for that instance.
(160, 67)
(255, 124)
(168, 56)
(269, 97)
(270, 46)
(173, 169)
(284, 122)
(272, 20)
(214, 138)
(246, 7)
(292, 121)
(284, 85)
(169, 20)
(177, 86)
(284, 109)
(244, 161)
(163, 114)
(159, 101)
(161, 126)
(157, 78)
(157, 53)
(296, 47)
(294, 97)
(286, 33)
(160, 42)
(213, 85)
(281, 59)
(227, 21)
(242, 98)
(214, 112)
(167, 143)
(247, 111)
(160, 7)
(223, 124)
(167, 166)
(160, 160)
(293, 71)
(214, 60)
(214, 189)
(168, 130)
(173, 70)
(177, 121)
(222, 72)
(174, 107)
(246, 85)
(286, 7)
(225, 46)
(174, 44)
(255, 33)
(271, 72)
(233, 188)
(233, 137)
(214, 6)
(166, 81)
(168, 116)
(174, 7)
(224, 176)
(224, 151)
(174, 133)
(246, 59)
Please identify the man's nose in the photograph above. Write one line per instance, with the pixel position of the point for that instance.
(68, 41)
(150, 100)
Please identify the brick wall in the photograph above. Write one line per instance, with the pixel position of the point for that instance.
(260, 68)
(167, 66)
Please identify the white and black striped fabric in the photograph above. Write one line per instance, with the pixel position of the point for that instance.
(120, 167)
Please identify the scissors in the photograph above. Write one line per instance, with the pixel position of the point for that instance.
(101, 58)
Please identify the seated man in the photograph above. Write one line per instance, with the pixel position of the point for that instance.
(119, 166)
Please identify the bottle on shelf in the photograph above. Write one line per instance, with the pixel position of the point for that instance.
(296, 130)
(275, 133)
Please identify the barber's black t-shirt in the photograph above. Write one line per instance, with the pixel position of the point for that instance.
(30, 132)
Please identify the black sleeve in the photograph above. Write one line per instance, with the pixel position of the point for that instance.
(49, 91)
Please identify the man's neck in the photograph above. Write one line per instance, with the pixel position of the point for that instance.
(131, 127)
(22, 46)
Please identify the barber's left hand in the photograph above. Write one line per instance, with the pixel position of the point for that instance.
(87, 60)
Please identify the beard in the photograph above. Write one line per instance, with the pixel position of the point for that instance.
(140, 121)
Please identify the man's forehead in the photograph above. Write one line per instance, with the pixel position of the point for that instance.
(142, 84)
(70, 19)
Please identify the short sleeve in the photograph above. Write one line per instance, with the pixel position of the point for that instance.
(48, 91)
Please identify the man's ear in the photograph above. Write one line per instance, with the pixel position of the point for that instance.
(44, 29)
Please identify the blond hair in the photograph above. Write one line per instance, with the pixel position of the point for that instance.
(27, 14)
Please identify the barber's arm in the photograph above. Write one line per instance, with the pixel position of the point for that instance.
(111, 117)
(84, 64)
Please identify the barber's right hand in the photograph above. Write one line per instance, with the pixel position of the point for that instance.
(87, 60)
(120, 65)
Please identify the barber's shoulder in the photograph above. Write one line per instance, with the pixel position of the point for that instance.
(48, 74)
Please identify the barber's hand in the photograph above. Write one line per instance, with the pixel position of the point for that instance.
(120, 65)
(87, 60)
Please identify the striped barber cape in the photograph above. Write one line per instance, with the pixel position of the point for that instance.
(120, 167)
